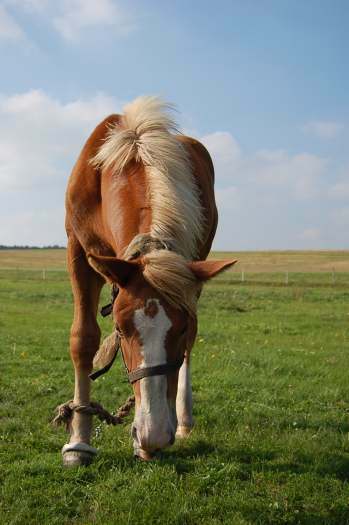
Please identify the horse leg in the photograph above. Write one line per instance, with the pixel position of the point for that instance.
(184, 401)
(84, 342)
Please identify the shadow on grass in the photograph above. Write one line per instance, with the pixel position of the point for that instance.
(334, 465)
(183, 457)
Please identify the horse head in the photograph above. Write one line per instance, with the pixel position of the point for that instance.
(155, 316)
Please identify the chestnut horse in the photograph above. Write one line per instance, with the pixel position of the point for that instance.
(141, 215)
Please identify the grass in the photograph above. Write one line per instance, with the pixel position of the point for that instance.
(271, 389)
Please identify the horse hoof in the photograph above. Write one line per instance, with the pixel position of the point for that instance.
(183, 431)
(78, 454)
(77, 459)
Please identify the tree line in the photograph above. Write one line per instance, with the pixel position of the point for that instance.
(17, 247)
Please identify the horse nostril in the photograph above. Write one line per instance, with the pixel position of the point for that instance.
(172, 439)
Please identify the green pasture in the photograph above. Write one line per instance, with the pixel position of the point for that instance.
(271, 386)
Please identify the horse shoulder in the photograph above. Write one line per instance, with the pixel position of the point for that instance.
(83, 195)
(83, 173)
(203, 172)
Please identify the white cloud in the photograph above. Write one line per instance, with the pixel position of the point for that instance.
(40, 139)
(28, 5)
(38, 134)
(322, 128)
(340, 190)
(227, 198)
(77, 16)
(72, 19)
(266, 199)
(224, 150)
(9, 29)
(299, 175)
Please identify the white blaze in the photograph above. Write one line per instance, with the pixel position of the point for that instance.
(153, 411)
(152, 331)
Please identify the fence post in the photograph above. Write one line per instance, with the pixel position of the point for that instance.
(43, 274)
(242, 276)
(333, 276)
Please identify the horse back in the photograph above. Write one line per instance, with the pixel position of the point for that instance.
(105, 212)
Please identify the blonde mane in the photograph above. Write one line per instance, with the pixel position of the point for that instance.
(169, 274)
(147, 132)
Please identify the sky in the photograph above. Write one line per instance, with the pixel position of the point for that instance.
(264, 84)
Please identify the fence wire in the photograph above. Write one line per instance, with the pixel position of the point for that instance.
(271, 278)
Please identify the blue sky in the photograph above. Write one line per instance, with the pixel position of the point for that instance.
(264, 84)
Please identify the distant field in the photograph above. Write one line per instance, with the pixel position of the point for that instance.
(251, 262)
(35, 259)
(292, 261)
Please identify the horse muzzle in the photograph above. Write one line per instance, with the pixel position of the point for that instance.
(147, 442)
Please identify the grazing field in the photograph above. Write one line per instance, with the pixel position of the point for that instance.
(271, 388)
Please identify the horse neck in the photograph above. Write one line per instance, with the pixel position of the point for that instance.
(126, 206)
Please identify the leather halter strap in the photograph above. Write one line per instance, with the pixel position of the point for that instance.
(147, 371)
(137, 373)
(140, 245)
(158, 370)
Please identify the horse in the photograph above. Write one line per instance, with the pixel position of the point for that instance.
(140, 215)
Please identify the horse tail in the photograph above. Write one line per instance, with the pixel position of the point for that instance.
(144, 133)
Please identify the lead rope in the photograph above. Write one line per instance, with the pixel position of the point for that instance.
(66, 410)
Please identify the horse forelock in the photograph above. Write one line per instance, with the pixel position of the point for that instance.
(168, 273)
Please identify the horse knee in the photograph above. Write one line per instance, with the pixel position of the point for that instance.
(84, 343)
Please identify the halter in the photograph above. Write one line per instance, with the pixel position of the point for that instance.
(139, 246)
(147, 371)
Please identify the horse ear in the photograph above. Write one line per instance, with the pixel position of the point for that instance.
(205, 270)
(116, 271)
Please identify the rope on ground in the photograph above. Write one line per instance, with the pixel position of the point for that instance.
(65, 412)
